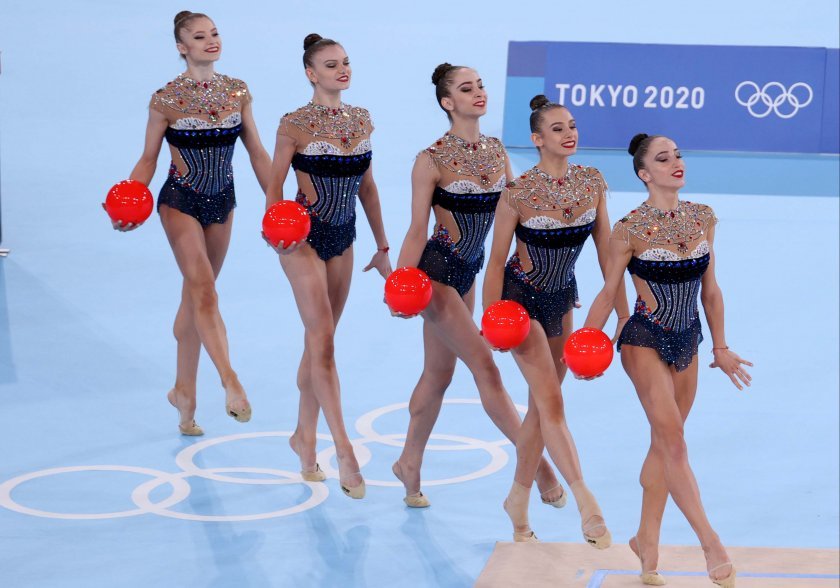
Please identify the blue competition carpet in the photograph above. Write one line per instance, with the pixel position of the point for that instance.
(98, 489)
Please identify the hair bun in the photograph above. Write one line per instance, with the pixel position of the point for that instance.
(440, 72)
(310, 40)
(635, 142)
(181, 16)
(539, 101)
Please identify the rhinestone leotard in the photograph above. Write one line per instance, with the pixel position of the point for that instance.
(472, 176)
(670, 256)
(205, 119)
(334, 152)
(556, 215)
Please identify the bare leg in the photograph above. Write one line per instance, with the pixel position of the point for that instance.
(303, 442)
(529, 448)
(424, 407)
(530, 444)
(189, 244)
(449, 319)
(183, 394)
(655, 386)
(535, 360)
(308, 277)
(652, 477)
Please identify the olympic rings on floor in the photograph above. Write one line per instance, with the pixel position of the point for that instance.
(185, 460)
(140, 496)
(180, 491)
(364, 425)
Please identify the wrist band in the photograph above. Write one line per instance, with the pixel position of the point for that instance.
(717, 348)
(384, 249)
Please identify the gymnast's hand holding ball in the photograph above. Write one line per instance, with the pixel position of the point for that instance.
(285, 226)
(505, 325)
(129, 203)
(408, 292)
(588, 353)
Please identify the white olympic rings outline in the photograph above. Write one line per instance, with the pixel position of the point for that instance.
(765, 93)
(185, 459)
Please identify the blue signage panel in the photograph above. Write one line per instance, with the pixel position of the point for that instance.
(782, 99)
(830, 142)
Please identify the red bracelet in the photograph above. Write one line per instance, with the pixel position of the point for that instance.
(384, 249)
(718, 348)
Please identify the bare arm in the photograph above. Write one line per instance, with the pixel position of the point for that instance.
(155, 130)
(601, 236)
(260, 160)
(505, 225)
(424, 178)
(617, 260)
(284, 151)
(369, 197)
(144, 170)
(712, 299)
(506, 219)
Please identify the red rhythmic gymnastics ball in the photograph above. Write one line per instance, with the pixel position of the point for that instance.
(505, 324)
(286, 221)
(129, 201)
(408, 290)
(588, 352)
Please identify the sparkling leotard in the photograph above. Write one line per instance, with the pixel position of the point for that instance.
(670, 256)
(472, 176)
(205, 118)
(556, 215)
(334, 152)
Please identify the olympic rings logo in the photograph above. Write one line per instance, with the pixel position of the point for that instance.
(774, 97)
(179, 488)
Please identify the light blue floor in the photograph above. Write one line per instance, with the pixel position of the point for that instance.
(86, 354)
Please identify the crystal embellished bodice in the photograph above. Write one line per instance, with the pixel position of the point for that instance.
(556, 216)
(670, 256)
(473, 214)
(472, 176)
(482, 162)
(334, 152)
(208, 101)
(205, 119)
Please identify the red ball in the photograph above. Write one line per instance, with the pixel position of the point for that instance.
(588, 352)
(408, 290)
(129, 201)
(505, 324)
(286, 221)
